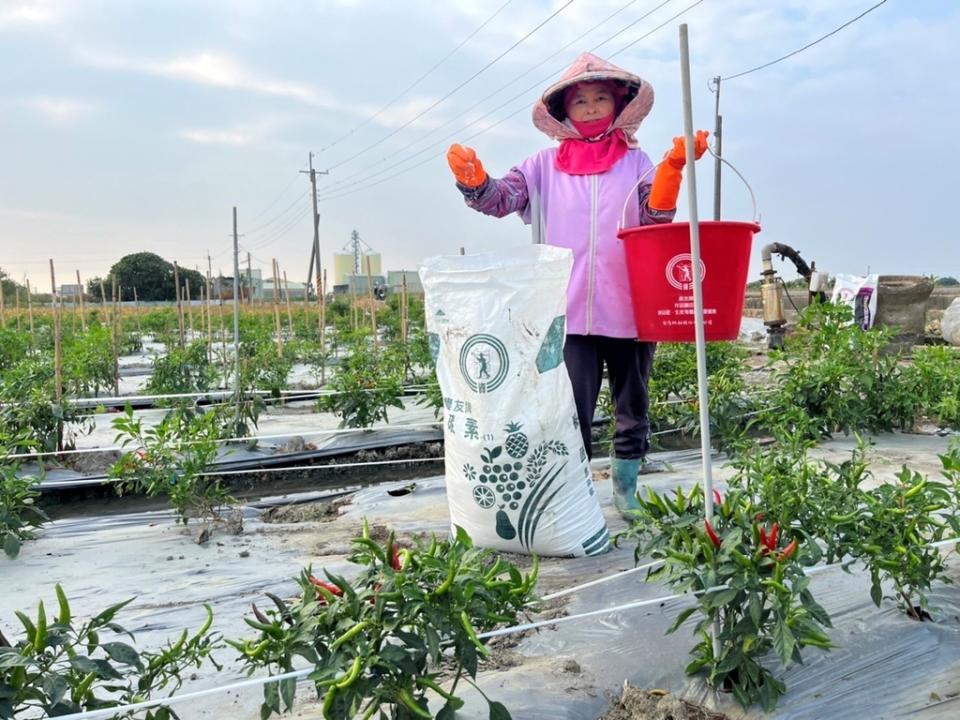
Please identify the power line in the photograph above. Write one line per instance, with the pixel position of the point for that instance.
(458, 87)
(805, 47)
(279, 232)
(274, 201)
(419, 79)
(368, 168)
(275, 218)
(489, 127)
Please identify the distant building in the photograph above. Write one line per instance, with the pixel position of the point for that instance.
(358, 284)
(71, 292)
(297, 289)
(395, 280)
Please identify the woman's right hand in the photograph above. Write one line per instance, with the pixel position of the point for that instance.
(466, 167)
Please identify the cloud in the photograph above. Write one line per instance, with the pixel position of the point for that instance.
(59, 111)
(235, 136)
(215, 70)
(32, 12)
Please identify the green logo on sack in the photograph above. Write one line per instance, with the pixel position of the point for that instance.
(484, 363)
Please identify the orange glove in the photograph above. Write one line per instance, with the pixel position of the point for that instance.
(466, 167)
(666, 182)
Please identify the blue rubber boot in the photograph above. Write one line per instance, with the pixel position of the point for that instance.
(624, 475)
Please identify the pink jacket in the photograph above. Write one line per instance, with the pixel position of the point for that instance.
(582, 212)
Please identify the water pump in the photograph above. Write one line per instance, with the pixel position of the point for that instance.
(771, 289)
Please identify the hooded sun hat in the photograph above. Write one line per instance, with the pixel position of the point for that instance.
(549, 112)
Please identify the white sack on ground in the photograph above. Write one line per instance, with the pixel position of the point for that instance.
(950, 323)
(860, 293)
(517, 473)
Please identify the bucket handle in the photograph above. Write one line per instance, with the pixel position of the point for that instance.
(753, 197)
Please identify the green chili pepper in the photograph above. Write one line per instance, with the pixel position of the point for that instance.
(349, 635)
(429, 683)
(351, 676)
(328, 703)
(40, 636)
(448, 582)
(64, 617)
(407, 699)
(915, 490)
(471, 633)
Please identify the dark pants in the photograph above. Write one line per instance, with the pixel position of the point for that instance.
(628, 368)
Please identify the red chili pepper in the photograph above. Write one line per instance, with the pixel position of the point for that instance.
(760, 517)
(329, 587)
(787, 551)
(717, 500)
(259, 615)
(772, 537)
(712, 534)
(763, 539)
(395, 559)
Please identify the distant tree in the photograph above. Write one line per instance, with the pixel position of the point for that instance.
(9, 287)
(149, 273)
(947, 282)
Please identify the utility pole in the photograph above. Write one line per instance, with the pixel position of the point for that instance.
(315, 251)
(718, 143)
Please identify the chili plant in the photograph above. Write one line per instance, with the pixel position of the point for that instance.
(841, 375)
(382, 643)
(19, 514)
(367, 382)
(171, 458)
(747, 579)
(63, 666)
(896, 531)
(183, 370)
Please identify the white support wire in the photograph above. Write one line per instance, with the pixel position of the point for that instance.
(299, 674)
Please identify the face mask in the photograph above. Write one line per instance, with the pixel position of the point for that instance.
(592, 128)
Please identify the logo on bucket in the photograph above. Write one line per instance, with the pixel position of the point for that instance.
(484, 362)
(679, 271)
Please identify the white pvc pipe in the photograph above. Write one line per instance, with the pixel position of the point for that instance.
(702, 391)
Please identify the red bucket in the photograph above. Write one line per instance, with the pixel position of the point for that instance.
(660, 267)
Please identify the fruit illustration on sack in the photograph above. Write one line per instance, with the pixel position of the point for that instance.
(516, 443)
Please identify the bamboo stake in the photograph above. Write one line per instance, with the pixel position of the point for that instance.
(83, 317)
(373, 309)
(30, 310)
(403, 307)
(113, 335)
(276, 306)
(17, 293)
(209, 314)
(189, 298)
(286, 292)
(136, 310)
(3, 314)
(353, 302)
(176, 284)
(323, 326)
(223, 339)
(57, 355)
(103, 302)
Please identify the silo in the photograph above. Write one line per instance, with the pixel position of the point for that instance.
(374, 259)
(342, 267)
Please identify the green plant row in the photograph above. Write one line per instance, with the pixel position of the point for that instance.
(381, 644)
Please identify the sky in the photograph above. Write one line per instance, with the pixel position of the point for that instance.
(136, 125)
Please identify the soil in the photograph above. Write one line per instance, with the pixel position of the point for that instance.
(305, 512)
(636, 704)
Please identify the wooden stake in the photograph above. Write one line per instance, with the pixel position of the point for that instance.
(223, 339)
(17, 293)
(276, 306)
(3, 315)
(403, 307)
(322, 297)
(113, 333)
(353, 301)
(30, 309)
(373, 309)
(209, 313)
(286, 292)
(83, 316)
(189, 298)
(57, 355)
(176, 284)
(136, 310)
